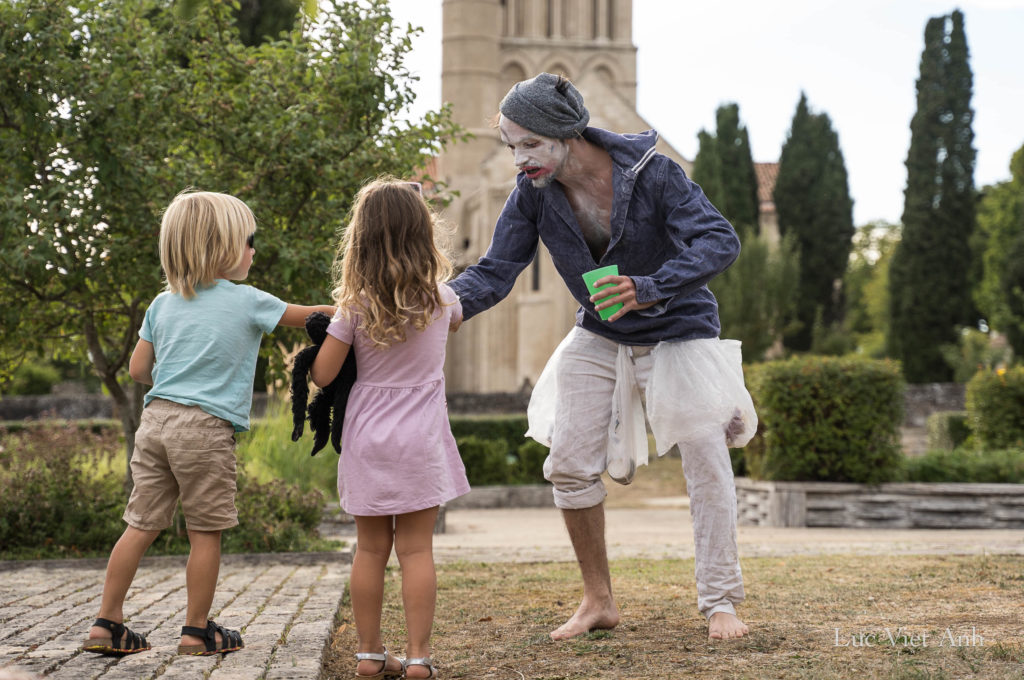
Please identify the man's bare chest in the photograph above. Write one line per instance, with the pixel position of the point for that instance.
(593, 213)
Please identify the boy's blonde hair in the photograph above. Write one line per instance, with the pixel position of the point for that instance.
(202, 236)
(389, 263)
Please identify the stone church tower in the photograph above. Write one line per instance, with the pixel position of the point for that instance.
(487, 46)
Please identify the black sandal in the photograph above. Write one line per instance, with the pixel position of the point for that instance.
(230, 640)
(122, 641)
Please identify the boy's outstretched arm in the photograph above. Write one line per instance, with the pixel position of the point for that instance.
(140, 366)
(295, 315)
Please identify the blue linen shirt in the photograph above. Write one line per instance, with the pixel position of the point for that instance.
(206, 347)
(665, 235)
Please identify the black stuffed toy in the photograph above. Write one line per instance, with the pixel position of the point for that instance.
(330, 401)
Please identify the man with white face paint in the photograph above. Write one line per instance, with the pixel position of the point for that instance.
(598, 198)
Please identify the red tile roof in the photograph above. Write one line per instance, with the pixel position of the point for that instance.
(766, 174)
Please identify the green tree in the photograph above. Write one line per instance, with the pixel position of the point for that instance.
(1013, 282)
(757, 294)
(930, 282)
(109, 110)
(1000, 226)
(257, 21)
(867, 287)
(812, 198)
(262, 20)
(707, 171)
(725, 170)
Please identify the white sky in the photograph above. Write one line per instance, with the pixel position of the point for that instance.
(856, 60)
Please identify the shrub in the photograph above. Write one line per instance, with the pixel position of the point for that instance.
(486, 460)
(33, 378)
(827, 419)
(995, 408)
(529, 464)
(61, 492)
(947, 430)
(523, 458)
(965, 465)
(510, 429)
(275, 517)
(61, 495)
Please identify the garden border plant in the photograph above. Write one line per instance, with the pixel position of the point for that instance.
(62, 495)
(826, 419)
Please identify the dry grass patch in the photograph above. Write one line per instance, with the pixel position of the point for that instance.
(892, 617)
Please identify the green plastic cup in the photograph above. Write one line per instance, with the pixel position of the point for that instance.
(596, 274)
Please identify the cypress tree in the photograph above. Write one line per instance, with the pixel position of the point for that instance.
(813, 202)
(725, 170)
(930, 292)
(707, 169)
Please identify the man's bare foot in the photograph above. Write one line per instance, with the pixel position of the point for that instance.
(725, 626)
(587, 618)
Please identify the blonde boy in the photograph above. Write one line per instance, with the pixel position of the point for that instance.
(197, 348)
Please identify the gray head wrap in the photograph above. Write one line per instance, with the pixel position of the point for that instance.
(547, 105)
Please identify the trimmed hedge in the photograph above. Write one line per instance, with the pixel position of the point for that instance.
(496, 452)
(965, 465)
(826, 419)
(486, 460)
(995, 407)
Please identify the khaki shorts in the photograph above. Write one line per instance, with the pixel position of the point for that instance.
(182, 452)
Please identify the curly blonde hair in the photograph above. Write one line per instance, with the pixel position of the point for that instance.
(390, 261)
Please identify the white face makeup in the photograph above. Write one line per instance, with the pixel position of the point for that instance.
(541, 158)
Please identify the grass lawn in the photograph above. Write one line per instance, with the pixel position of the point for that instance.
(849, 617)
(811, 617)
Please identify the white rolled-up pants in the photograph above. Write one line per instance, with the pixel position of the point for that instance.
(586, 377)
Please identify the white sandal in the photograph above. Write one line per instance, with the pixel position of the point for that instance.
(422, 661)
(384, 671)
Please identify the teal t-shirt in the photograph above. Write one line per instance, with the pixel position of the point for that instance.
(206, 347)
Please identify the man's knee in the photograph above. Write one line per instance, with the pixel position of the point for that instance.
(579, 497)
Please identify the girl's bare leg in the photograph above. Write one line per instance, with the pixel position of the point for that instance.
(414, 543)
(374, 538)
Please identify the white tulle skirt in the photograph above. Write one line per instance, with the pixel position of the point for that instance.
(694, 391)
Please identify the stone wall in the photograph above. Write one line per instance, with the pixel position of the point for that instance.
(79, 407)
(920, 401)
(885, 506)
